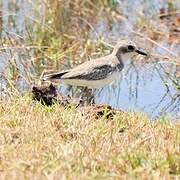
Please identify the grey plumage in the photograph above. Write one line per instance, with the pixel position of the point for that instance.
(97, 73)
(100, 71)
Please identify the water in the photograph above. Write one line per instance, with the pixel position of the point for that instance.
(146, 89)
(151, 87)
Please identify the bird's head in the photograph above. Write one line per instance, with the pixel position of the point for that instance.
(126, 49)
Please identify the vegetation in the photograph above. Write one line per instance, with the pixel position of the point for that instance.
(53, 142)
(41, 142)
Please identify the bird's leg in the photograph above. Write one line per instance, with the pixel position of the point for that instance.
(87, 96)
(83, 96)
(91, 99)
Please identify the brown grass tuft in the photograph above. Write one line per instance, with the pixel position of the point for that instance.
(53, 142)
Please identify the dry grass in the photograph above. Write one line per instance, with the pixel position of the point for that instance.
(40, 142)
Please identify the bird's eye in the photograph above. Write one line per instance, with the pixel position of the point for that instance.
(131, 48)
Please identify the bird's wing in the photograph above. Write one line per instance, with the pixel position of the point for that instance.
(57, 75)
(91, 70)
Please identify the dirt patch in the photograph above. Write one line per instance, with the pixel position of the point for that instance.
(48, 95)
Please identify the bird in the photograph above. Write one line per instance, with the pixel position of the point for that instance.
(98, 72)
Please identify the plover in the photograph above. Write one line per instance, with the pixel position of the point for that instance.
(98, 72)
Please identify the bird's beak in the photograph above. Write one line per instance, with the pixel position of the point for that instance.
(141, 52)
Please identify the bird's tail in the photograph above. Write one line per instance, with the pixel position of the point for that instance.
(53, 76)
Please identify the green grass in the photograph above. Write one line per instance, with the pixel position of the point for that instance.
(53, 142)
(38, 142)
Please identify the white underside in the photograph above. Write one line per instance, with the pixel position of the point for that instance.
(92, 84)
